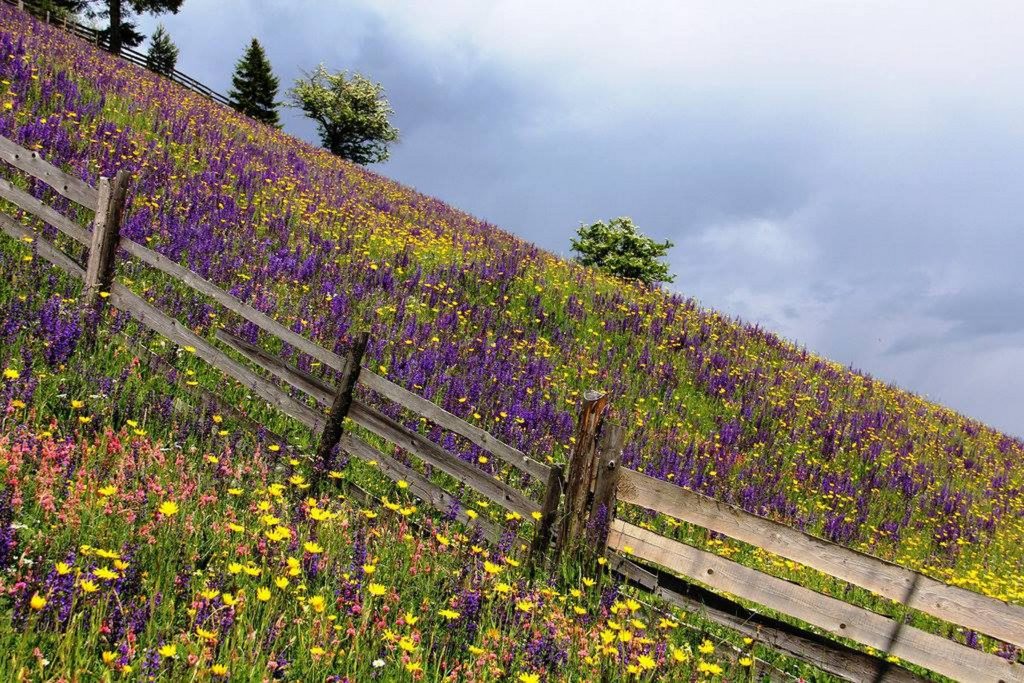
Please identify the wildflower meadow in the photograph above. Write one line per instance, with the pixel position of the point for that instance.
(146, 535)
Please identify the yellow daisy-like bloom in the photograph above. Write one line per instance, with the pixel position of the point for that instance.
(106, 574)
(168, 508)
(219, 670)
(491, 568)
(411, 619)
(413, 667)
(62, 568)
(107, 491)
(88, 586)
(168, 650)
(317, 603)
(206, 635)
(706, 647)
(503, 588)
(313, 548)
(529, 678)
(407, 644)
(37, 602)
(229, 599)
(402, 484)
(377, 590)
(11, 373)
(262, 594)
(646, 662)
(281, 582)
(746, 661)
(109, 657)
(524, 605)
(449, 614)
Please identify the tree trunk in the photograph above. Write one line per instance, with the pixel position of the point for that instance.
(115, 26)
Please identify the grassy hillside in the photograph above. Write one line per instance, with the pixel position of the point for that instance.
(488, 326)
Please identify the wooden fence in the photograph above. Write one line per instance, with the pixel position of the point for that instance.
(134, 56)
(593, 485)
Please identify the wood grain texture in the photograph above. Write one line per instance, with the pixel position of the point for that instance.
(419, 485)
(606, 478)
(580, 472)
(258, 318)
(106, 233)
(832, 657)
(834, 616)
(443, 418)
(63, 183)
(425, 449)
(161, 323)
(44, 212)
(548, 517)
(951, 603)
(44, 248)
(334, 426)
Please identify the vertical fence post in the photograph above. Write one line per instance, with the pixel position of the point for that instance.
(581, 469)
(333, 429)
(548, 514)
(106, 233)
(606, 465)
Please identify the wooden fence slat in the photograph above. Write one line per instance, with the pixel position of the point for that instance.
(548, 517)
(580, 471)
(26, 202)
(425, 449)
(106, 233)
(830, 656)
(43, 247)
(163, 324)
(324, 393)
(951, 603)
(835, 616)
(443, 418)
(419, 485)
(606, 477)
(32, 162)
(301, 380)
(334, 428)
(258, 318)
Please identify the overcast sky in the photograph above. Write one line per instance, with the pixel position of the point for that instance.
(848, 174)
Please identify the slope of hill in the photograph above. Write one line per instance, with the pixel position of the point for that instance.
(502, 333)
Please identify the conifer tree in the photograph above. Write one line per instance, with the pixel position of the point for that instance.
(121, 30)
(254, 86)
(162, 54)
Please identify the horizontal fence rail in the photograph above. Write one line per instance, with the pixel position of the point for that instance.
(594, 486)
(830, 614)
(951, 603)
(128, 54)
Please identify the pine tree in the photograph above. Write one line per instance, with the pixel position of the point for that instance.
(254, 86)
(162, 54)
(121, 30)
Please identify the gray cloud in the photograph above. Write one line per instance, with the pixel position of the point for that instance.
(848, 176)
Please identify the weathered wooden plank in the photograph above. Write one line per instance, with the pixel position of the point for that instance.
(606, 477)
(827, 655)
(159, 322)
(301, 380)
(32, 162)
(443, 418)
(26, 202)
(324, 393)
(106, 233)
(425, 449)
(334, 428)
(44, 248)
(580, 472)
(957, 605)
(258, 318)
(548, 517)
(419, 485)
(834, 616)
